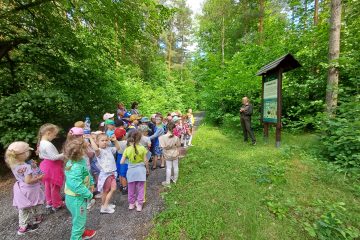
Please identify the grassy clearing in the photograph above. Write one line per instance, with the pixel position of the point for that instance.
(230, 190)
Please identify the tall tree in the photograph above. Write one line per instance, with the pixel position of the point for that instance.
(334, 52)
(261, 20)
(316, 12)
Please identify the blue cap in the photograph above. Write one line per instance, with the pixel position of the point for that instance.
(127, 115)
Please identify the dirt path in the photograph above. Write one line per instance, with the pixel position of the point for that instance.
(123, 224)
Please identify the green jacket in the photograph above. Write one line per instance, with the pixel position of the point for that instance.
(78, 179)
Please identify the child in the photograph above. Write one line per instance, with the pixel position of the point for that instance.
(136, 174)
(110, 127)
(170, 144)
(186, 131)
(28, 194)
(106, 161)
(145, 140)
(77, 186)
(121, 168)
(178, 127)
(78, 133)
(191, 116)
(159, 130)
(51, 166)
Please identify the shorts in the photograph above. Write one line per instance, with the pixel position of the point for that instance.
(123, 170)
(158, 151)
(109, 183)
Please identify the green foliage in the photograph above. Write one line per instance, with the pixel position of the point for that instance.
(234, 191)
(22, 114)
(330, 225)
(64, 60)
(340, 136)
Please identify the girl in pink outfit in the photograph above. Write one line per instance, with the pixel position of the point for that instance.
(52, 166)
(28, 193)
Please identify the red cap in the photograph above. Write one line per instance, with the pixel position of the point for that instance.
(119, 133)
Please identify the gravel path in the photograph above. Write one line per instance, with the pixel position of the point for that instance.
(123, 224)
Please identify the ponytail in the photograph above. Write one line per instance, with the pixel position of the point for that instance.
(170, 127)
(10, 158)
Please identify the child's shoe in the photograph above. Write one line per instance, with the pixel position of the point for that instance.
(138, 207)
(90, 204)
(28, 228)
(172, 179)
(38, 219)
(99, 195)
(131, 206)
(112, 206)
(88, 234)
(106, 210)
(55, 209)
(124, 191)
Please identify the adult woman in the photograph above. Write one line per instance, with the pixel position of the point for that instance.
(121, 110)
(134, 108)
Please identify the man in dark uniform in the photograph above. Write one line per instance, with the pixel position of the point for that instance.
(246, 111)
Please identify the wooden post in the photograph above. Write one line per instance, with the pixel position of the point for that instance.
(266, 125)
(279, 106)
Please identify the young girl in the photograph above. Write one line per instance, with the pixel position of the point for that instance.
(51, 166)
(136, 174)
(77, 186)
(78, 133)
(106, 161)
(28, 194)
(159, 131)
(170, 144)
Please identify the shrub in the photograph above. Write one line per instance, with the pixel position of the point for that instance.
(340, 136)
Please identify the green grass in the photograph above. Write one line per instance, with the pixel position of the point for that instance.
(230, 190)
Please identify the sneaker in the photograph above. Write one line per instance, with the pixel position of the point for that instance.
(55, 209)
(138, 207)
(88, 234)
(112, 206)
(165, 184)
(254, 143)
(38, 219)
(107, 210)
(131, 206)
(28, 228)
(99, 195)
(124, 191)
(48, 206)
(90, 204)
(172, 179)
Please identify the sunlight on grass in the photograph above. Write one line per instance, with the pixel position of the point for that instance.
(230, 190)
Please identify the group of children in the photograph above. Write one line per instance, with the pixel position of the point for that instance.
(91, 163)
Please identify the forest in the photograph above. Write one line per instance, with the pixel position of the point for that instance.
(63, 60)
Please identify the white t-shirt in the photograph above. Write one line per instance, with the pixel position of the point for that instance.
(106, 159)
(47, 150)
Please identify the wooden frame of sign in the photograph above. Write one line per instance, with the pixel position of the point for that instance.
(271, 96)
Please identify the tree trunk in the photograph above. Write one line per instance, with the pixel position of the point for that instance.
(116, 28)
(169, 51)
(316, 12)
(261, 21)
(223, 41)
(334, 52)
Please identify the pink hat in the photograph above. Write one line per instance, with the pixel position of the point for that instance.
(108, 116)
(76, 131)
(19, 147)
